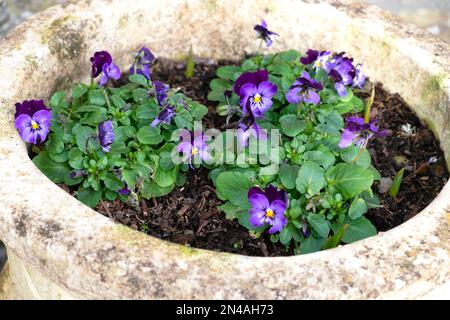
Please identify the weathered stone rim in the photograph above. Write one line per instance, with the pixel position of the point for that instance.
(88, 255)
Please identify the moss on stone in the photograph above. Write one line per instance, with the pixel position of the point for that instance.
(48, 31)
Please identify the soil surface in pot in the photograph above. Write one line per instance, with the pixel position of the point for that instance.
(189, 214)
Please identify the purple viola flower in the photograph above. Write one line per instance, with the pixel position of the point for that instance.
(29, 107)
(342, 71)
(124, 191)
(360, 78)
(256, 78)
(106, 135)
(78, 174)
(268, 208)
(304, 89)
(110, 71)
(33, 128)
(142, 62)
(259, 97)
(318, 58)
(165, 116)
(193, 147)
(244, 132)
(359, 132)
(99, 59)
(161, 91)
(264, 33)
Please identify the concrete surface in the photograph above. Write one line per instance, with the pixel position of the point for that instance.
(60, 248)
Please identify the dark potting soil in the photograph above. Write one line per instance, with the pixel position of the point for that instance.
(189, 215)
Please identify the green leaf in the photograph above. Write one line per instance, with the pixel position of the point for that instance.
(165, 161)
(149, 135)
(57, 172)
(228, 72)
(216, 95)
(219, 85)
(153, 190)
(57, 99)
(324, 158)
(351, 153)
(234, 186)
(285, 236)
(288, 175)
(97, 98)
(79, 90)
(130, 177)
(310, 178)
(190, 65)
(311, 244)
(164, 178)
(113, 183)
(140, 94)
(82, 135)
(138, 79)
(291, 126)
(349, 180)
(318, 224)
(118, 101)
(198, 111)
(89, 197)
(280, 68)
(335, 240)
(231, 211)
(359, 229)
(395, 187)
(357, 209)
(55, 144)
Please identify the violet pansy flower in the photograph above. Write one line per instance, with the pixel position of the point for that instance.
(142, 62)
(102, 62)
(342, 71)
(264, 33)
(30, 107)
(255, 88)
(358, 132)
(360, 78)
(268, 208)
(106, 135)
(124, 191)
(161, 91)
(165, 116)
(34, 129)
(317, 58)
(244, 132)
(110, 71)
(99, 59)
(194, 147)
(304, 89)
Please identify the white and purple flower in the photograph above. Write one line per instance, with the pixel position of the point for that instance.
(106, 135)
(255, 88)
(264, 33)
(317, 58)
(304, 89)
(193, 147)
(160, 91)
(358, 132)
(268, 208)
(144, 58)
(244, 132)
(33, 121)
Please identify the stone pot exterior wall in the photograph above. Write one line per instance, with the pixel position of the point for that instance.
(58, 248)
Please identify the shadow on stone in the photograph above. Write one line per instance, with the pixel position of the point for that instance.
(2, 256)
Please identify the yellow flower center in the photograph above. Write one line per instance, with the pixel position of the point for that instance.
(318, 64)
(257, 98)
(34, 125)
(194, 151)
(270, 214)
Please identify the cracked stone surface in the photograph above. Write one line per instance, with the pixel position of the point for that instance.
(58, 248)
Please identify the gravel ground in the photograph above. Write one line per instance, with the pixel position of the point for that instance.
(433, 15)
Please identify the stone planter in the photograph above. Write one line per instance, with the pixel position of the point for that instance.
(59, 248)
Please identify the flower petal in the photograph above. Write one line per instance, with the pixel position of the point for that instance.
(257, 218)
(258, 201)
(267, 89)
(347, 138)
(293, 95)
